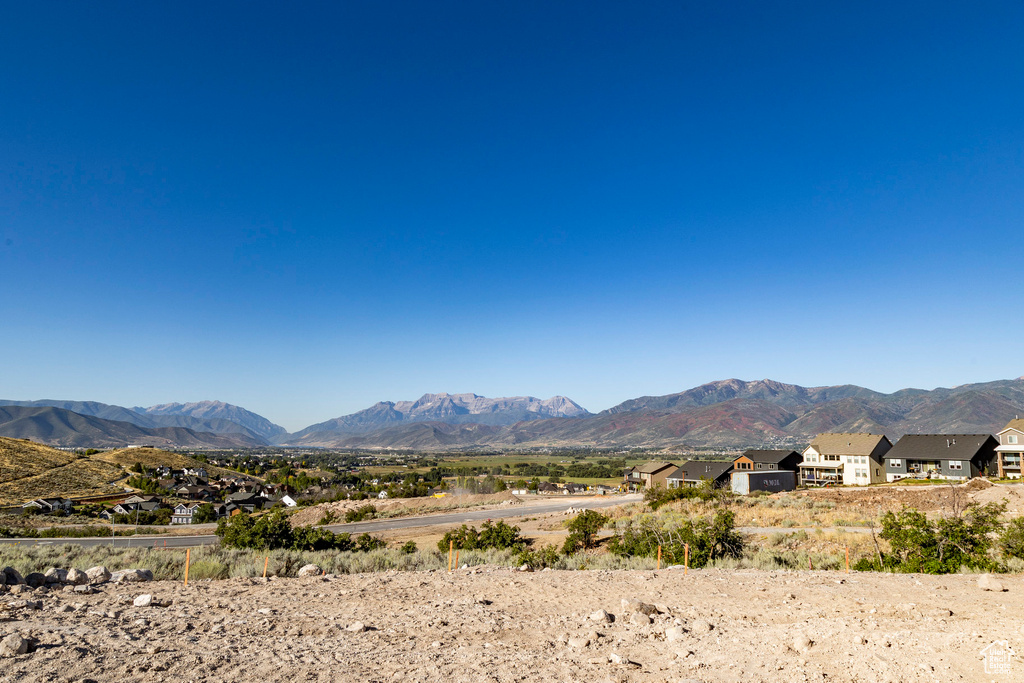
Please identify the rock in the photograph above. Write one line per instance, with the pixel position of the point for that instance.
(987, 582)
(859, 640)
(84, 590)
(13, 645)
(310, 570)
(131, 576)
(144, 600)
(42, 590)
(356, 627)
(640, 619)
(801, 643)
(93, 576)
(674, 633)
(701, 626)
(55, 575)
(579, 643)
(525, 568)
(25, 604)
(35, 580)
(12, 576)
(632, 605)
(19, 588)
(601, 616)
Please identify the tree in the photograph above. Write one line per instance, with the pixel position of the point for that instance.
(583, 530)
(204, 514)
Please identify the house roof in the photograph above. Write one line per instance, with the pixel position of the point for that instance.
(1017, 424)
(695, 470)
(768, 456)
(941, 446)
(653, 467)
(846, 443)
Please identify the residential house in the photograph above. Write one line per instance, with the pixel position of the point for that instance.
(764, 470)
(1010, 450)
(547, 488)
(288, 501)
(650, 475)
(48, 505)
(247, 502)
(851, 459)
(203, 493)
(693, 472)
(941, 456)
(183, 513)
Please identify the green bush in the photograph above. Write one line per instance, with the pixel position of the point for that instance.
(546, 556)
(708, 539)
(273, 531)
(942, 546)
(361, 513)
(1011, 541)
(583, 530)
(499, 536)
(409, 548)
(657, 496)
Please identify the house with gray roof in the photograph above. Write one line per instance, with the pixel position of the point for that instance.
(941, 456)
(694, 472)
(847, 458)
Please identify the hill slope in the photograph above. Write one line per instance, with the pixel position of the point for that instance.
(29, 470)
(59, 427)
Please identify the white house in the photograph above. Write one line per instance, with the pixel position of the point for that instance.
(850, 459)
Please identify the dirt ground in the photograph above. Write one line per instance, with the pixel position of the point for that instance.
(401, 506)
(927, 498)
(491, 624)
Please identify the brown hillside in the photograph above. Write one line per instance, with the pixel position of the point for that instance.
(154, 457)
(29, 470)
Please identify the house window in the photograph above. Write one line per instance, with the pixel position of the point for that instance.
(832, 458)
(895, 463)
(1011, 438)
(758, 465)
(771, 467)
(956, 464)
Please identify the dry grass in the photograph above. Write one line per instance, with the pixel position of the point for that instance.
(154, 457)
(29, 470)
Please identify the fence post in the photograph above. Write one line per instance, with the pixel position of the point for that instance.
(457, 559)
(659, 558)
(686, 559)
(188, 558)
(265, 563)
(451, 544)
(847, 559)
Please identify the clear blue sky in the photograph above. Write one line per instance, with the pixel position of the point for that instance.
(304, 208)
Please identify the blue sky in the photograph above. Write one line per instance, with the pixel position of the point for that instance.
(305, 209)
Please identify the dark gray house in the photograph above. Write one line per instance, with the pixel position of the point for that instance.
(941, 456)
(758, 470)
(691, 473)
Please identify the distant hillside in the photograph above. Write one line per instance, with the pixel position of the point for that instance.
(218, 410)
(29, 470)
(452, 409)
(138, 416)
(59, 427)
(154, 457)
(729, 414)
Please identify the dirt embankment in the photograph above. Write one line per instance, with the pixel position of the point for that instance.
(875, 499)
(400, 506)
(490, 624)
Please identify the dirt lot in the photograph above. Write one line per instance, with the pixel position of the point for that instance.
(401, 506)
(490, 624)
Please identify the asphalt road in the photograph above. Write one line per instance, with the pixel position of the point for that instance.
(446, 519)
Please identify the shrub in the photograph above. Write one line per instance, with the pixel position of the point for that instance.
(657, 496)
(546, 556)
(360, 513)
(499, 536)
(708, 539)
(1011, 541)
(942, 546)
(273, 531)
(583, 530)
(409, 548)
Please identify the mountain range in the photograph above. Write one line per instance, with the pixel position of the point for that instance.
(727, 414)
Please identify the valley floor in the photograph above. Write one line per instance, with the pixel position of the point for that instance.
(498, 624)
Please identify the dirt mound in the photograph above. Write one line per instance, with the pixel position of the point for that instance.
(977, 484)
(395, 507)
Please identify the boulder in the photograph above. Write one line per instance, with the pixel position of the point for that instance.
(13, 577)
(84, 589)
(640, 619)
(601, 616)
(987, 582)
(131, 576)
(673, 633)
(356, 627)
(55, 575)
(143, 600)
(93, 576)
(310, 570)
(19, 588)
(701, 626)
(35, 580)
(13, 645)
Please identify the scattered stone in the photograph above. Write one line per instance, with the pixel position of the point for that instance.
(55, 575)
(673, 633)
(579, 643)
(859, 640)
(144, 600)
(25, 604)
(13, 577)
(640, 619)
(483, 601)
(356, 627)
(701, 626)
(633, 605)
(84, 590)
(310, 570)
(93, 576)
(20, 588)
(131, 576)
(802, 643)
(42, 590)
(13, 645)
(987, 582)
(601, 616)
(525, 568)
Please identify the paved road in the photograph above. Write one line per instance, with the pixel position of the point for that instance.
(446, 519)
